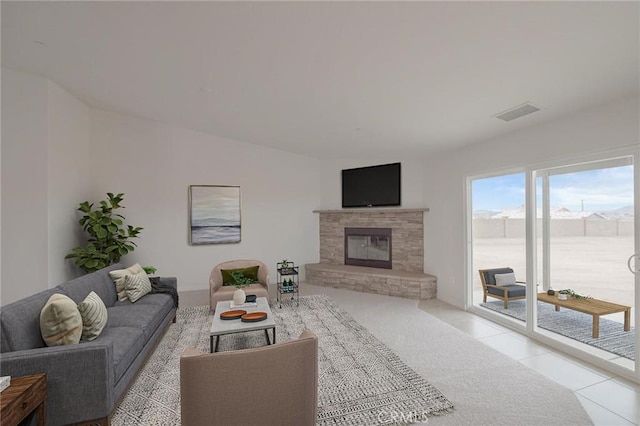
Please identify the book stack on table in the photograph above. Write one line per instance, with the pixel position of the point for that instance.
(5, 381)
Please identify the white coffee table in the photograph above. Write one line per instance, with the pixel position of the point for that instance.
(220, 327)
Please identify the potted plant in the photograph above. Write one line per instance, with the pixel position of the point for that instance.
(285, 267)
(567, 292)
(109, 237)
(240, 281)
(149, 270)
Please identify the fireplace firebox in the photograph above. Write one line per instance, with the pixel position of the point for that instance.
(367, 247)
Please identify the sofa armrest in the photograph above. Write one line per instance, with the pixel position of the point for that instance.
(80, 378)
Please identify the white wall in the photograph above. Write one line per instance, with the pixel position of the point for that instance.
(45, 153)
(153, 164)
(69, 179)
(605, 128)
(24, 185)
(44, 176)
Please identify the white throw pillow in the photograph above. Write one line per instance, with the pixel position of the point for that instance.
(505, 279)
(136, 286)
(118, 278)
(94, 316)
(60, 321)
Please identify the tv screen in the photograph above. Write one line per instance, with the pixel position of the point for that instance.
(371, 186)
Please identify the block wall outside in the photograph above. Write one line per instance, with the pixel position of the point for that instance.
(515, 228)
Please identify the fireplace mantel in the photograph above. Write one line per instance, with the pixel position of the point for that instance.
(374, 209)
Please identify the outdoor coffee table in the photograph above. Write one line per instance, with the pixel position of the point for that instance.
(221, 327)
(593, 307)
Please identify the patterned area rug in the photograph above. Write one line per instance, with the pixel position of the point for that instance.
(575, 325)
(358, 376)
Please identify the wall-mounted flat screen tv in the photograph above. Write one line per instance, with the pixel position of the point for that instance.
(371, 186)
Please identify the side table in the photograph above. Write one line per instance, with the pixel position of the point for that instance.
(24, 395)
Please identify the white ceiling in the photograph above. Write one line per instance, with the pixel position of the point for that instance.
(331, 79)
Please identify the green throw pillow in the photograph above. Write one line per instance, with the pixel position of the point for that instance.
(240, 276)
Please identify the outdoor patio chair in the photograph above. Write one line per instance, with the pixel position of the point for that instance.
(505, 287)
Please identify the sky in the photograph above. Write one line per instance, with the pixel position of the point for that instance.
(597, 190)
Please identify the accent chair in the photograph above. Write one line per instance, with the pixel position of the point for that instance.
(219, 292)
(506, 290)
(270, 385)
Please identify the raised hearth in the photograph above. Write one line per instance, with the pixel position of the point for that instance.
(413, 285)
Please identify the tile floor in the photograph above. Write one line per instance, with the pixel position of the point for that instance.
(608, 399)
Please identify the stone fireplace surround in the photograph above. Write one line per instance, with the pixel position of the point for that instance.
(405, 279)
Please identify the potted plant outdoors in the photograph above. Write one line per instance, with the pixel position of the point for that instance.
(567, 292)
(109, 238)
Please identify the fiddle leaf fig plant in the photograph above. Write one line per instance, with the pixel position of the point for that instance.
(109, 237)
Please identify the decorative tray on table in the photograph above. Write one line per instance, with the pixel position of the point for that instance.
(231, 315)
(254, 317)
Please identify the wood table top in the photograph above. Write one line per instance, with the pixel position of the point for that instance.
(588, 306)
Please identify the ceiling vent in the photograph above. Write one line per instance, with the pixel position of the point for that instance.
(517, 112)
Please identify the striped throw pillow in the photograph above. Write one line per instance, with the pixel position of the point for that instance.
(118, 276)
(60, 321)
(136, 286)
(94, 316)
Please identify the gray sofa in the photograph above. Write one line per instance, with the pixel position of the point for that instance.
(85, 381)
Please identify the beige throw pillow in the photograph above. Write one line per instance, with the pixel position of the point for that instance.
(136, 286)
(60, 321)
(505, 279)
(94, 316)
(118, 278)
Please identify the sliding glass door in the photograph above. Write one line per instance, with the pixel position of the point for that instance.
(498, 242)
(571, 227)
(587, 233)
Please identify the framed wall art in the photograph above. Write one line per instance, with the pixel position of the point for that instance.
(214, 214)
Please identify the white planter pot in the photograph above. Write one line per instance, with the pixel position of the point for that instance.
(239, 297)
(562, 296)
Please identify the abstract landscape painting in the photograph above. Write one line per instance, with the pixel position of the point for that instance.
(215, 214)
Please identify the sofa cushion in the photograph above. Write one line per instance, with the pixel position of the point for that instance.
(514, 290)
(127, 343)
(136, 286)
(490, 274)
(162, 299)
(60, 321)
(98, 281)
(146, 317)
(94, 316)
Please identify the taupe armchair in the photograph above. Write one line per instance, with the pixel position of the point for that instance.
(514, 291)
(271, 385)
(218, 292)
